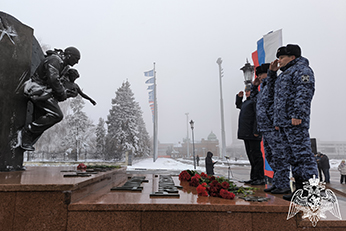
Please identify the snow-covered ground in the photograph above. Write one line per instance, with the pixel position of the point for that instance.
(170, 164)
(183, 164)
(163, 163)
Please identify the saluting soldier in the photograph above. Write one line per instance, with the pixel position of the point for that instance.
(294, 90)
(271, 137)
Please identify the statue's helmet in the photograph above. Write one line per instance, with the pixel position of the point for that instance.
(72, 54)
(72, 51)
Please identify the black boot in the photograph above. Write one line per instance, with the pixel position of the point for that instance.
(281, 191)
(258, 182)
(270, 189)
(26, 141)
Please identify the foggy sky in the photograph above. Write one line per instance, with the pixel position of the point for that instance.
(119, 40)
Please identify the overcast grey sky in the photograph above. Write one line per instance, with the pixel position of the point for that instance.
(119, 40)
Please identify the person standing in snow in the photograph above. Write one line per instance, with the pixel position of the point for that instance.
(209, 164)
(342, 170)
(325, 166)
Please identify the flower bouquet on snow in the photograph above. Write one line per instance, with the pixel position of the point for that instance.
(211, 185)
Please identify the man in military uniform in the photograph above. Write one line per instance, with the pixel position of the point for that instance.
(294, 89)
(47, 79)
(271, 137)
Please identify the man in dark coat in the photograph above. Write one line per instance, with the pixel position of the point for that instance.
(325, 166)
(318, 158)
(209, 164)
(247, 131)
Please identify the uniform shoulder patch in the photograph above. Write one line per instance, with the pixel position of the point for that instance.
(305, 78)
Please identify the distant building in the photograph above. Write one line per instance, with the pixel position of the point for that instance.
(164, 149)
(202, 147)
(333, 149)
(180, 150)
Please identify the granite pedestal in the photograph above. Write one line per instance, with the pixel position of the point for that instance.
(42, 199)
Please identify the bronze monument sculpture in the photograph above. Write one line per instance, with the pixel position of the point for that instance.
(31, 85)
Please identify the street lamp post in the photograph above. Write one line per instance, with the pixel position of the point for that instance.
(248, 70)
(193, 144)
(187, 136)
(223, 133)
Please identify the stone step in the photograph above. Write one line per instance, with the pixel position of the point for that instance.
(38, 198)
(42, 199)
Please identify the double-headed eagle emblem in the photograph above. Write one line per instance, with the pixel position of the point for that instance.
(314, 200)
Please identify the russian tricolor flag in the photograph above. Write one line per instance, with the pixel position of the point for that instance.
(267, 47)
(266, 53)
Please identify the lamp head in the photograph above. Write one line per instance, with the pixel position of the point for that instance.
(248, 70)
(192, 124)
(219, 61)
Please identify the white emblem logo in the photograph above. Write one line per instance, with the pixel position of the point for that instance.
(305, 78)
(314, 200)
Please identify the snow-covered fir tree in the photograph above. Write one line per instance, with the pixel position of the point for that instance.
(79, 128)
(100, 138)
(144, 139)
(126, 128)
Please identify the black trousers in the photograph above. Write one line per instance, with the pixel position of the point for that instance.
(326, 175)
(253, 151)
(47, 113)
(342, 179)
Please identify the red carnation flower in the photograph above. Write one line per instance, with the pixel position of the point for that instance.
(81, 166)
(184, 176)
(225, 185)
(194, 181)
(204, 194)
(216, 184)
(214, 194)
(226, 194)
(204, 175)
(202, 191)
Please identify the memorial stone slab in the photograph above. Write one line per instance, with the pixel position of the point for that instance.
(20, 55)
(133, 184)
(167, 187)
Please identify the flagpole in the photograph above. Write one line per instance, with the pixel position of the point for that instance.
(155, 145)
